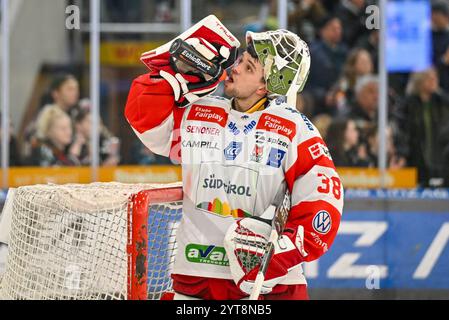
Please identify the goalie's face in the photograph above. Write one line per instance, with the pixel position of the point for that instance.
(245, 81)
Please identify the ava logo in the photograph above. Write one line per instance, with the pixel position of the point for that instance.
(232, 151)
(322, 222)
(275, 157)
(197, 253)
(244, 117)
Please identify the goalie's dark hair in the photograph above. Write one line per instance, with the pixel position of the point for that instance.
(252, 51)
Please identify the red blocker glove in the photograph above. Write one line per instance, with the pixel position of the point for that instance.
(213, 42)
(245, 243)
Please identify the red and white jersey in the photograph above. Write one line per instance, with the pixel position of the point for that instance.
(233, 166)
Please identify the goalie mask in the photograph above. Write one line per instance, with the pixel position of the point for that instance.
(285, 59)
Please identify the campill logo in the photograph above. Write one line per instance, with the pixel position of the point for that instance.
(197, 253)
(200, 144)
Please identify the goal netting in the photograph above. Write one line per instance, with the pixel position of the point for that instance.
(95, 241)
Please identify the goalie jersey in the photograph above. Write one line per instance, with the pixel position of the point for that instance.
(236, 165)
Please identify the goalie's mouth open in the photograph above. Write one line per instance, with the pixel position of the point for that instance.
(229, 79)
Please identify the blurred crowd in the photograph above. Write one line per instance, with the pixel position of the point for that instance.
(60, 134)
(341, 96)
(342, 93)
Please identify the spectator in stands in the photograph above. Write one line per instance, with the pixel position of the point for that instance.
(65, 93)
(352, 17)
(80, 147)
(394, 159)
(370, 42)
(364, 108)
(329, 55)
(440, 40)
(54, 135)
(426, 111)
(358, 64)
(305, 16)
(330, 5)
(343, 142)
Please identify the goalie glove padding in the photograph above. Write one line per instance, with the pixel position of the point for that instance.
(210, 39)
(245, 243)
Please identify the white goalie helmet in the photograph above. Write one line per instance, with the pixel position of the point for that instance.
(285, 58)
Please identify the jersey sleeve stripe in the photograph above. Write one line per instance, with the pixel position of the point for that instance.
(309, 153)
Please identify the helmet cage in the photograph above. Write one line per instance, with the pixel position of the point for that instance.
(285, 59)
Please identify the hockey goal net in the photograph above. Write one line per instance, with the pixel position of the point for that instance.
(95, 241)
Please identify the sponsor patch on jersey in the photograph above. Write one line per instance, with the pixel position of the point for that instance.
(200, 144)
(280, 100)
(275, 157)
(260, 137)
(203, 130)
(322, 222)
(208, 114)
(257, 154)
(258, 151)
(316, 238)
(207, 254)
(232, 150)
(307, 122)
(282, 126)
(247, 128)
(277, 142)
(293, 110)
(226, 190)
(319, 149)
(222, 209)
(232, 127)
